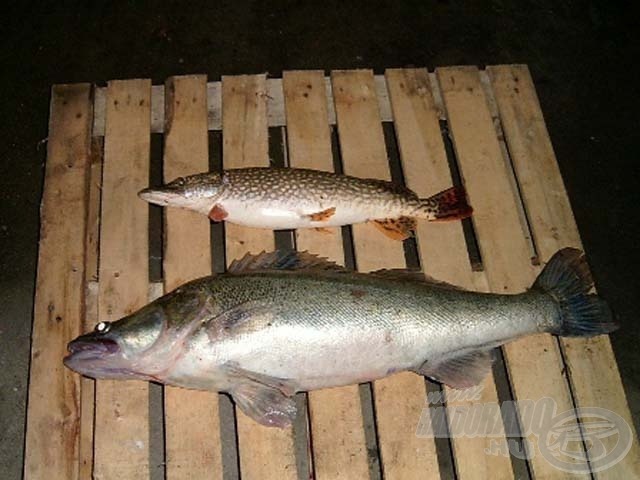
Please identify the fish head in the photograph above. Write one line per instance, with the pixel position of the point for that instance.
(113, 350)
(145, 344)
(197, 192)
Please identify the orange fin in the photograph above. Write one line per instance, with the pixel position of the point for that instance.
(322, 216)
(324, 230)
(218, 213)
(450, 204)
(396, 228)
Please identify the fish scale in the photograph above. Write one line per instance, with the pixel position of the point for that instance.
(285, 198)
(283, 322)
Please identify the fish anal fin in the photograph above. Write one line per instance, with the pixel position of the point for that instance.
(460, 371)
(399, 228)
(218, 213)
(322, 216)
(267, 400)
(283, 260)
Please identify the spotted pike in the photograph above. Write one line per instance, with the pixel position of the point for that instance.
(281, 322)
(284, 198)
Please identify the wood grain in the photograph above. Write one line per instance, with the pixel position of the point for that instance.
(264, 452)
(192, 424)
(122, 408)
(592, 368)
(53, 412)
(399, 399)
(505, 252)
(337, 428)
(441, 246)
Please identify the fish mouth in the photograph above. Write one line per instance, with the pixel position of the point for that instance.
(97, 358)
(158, 196)
(91, 348)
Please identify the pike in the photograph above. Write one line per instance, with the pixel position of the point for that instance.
(284, 322)
(288, 198)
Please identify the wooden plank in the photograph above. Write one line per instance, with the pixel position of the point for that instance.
(53, 413)
(504, 249)
(337, 427)
(264, 452)
(122, 408)
(88, 392)
(442, 247)
(399, 399)
(592, 368)
(273, 92)
(192, 424)
(87, 385)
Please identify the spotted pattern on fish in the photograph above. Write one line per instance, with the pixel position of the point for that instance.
(297, 198)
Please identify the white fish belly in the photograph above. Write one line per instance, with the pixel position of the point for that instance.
(280, 216)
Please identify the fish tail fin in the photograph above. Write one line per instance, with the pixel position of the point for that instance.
(450, 204)
(568, 280)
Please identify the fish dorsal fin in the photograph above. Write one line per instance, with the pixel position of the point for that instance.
(283, 260)
(413, 276)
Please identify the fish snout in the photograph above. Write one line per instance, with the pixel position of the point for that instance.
(157, 196)
(95, 358)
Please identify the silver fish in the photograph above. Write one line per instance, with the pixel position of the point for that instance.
(284, 322)
(286, 198)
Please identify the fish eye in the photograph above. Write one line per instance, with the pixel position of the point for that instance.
(179, 181)
(103, 327)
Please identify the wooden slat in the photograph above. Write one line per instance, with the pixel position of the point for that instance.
(592, 368)
(399, 399)
(442, 248)
(88, 385)
(534, 363)
(88, 392)
(122, 408)
(264, 452)
(192, 425)
(53, 414)
(337, 428)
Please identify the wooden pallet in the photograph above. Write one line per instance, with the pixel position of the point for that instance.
(94, 266)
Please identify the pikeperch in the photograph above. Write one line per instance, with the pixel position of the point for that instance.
(284, 322)
(284, 198)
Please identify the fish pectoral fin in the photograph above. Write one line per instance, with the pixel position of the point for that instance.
(218, 213)
(244, 317)
(324, 230)
(322, 216)
(460, 371)
(268, 400)
(399, 228)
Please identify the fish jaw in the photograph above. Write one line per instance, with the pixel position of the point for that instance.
(98, 358)
(170, 198)
(159, 196)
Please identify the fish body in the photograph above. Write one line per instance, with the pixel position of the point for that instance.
(282, 323)
(291, 198)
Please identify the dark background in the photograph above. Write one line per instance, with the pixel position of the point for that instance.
(582, 56)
